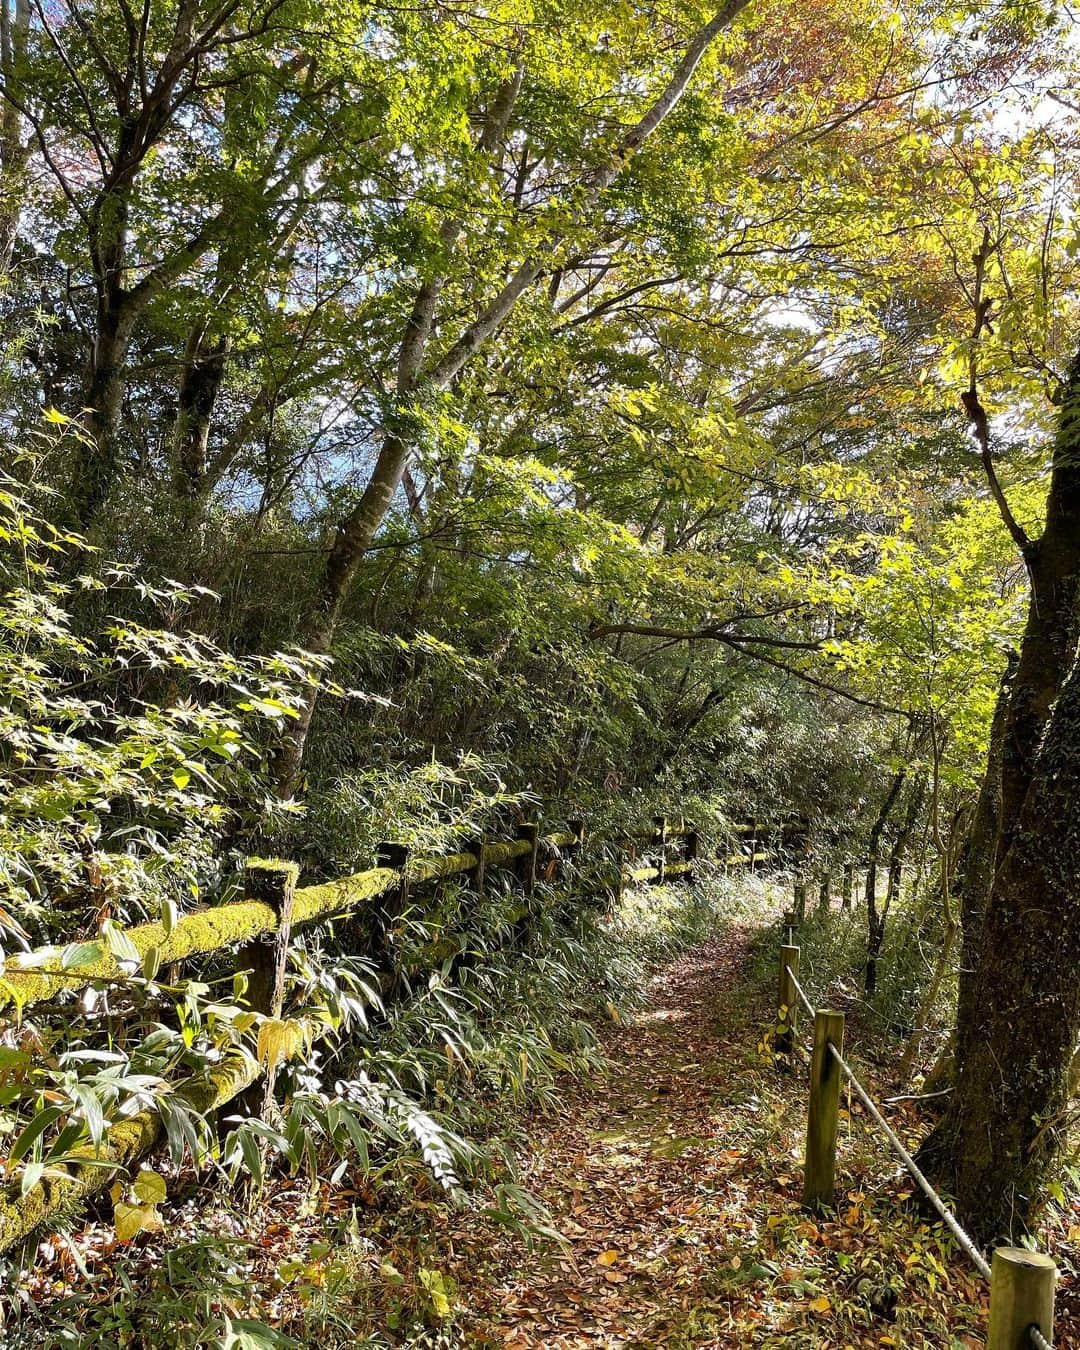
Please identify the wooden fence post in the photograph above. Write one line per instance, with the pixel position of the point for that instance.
(577, 829)
(693, 848)
(848, 886)
(800, 899)
(475, 874)
(825, 895)
(1021, 1297)
(526, 864)
(787, 1015)
(265, 959)
(397, 856)
(823, 1117)
(660, 844)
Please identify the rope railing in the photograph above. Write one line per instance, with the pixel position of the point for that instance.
(917, 1175)
(1026, 1278)
(800, 991)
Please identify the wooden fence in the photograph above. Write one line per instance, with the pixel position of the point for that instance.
(260, 927)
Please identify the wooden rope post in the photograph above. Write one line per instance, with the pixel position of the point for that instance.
(787, 1005)
(265, 959)
(825, 895)
(800, 899)
(823, 1117)
(848, 885)
(660, 844)
(1021, 1297)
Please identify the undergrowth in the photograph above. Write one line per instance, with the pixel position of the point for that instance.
(417, 1102)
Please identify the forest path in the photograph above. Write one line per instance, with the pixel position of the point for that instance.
(676, 1182)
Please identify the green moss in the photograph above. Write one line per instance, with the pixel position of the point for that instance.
(431, 869)
(504, 853)
(331, 897)
(126, 1142)
(211, 930)
(197, 934)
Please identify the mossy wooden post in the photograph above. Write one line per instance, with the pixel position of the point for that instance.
(577, 829)
(800, 899)
(476, 874)
(787, 1004)
(753, 845)
(823, 1117)
(848, 885)
(393, 855)
(273, 883)
(825, 895)
(693, 848)
(1021, 1297)
(660, 845)
(526, 864)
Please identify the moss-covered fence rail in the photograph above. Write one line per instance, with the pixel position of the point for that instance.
(260, 921)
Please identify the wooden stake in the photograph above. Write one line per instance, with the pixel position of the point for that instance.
(787, 1015)
(476, 874)
(526, 864)
(660, 844)
(693, 846)
(823, 1117)
(1021, 1297)
(265, 959)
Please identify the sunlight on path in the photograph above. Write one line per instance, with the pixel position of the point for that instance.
(677, 1183)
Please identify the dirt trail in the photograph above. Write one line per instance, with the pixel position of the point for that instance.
(676, 1181)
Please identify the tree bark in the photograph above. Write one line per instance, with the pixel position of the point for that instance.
(201, 377)
(1018, 1009)
(874, 920)
(14, 153)
(1006, 1119)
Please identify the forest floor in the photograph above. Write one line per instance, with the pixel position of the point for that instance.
(675, 1183)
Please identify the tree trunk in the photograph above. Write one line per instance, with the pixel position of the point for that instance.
(1006, 1119)
(201, 378)
(976, 870)
(356, 533)
(1015, 1015)
(874, 920)
(14, 27)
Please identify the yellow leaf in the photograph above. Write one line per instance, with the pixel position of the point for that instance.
(608, 1258)
(149, 1187)
(278, 1041)
(131, 1220)
(820, 1304)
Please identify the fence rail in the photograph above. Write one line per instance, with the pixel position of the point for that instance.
(260, 924)
(1021, 1281)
